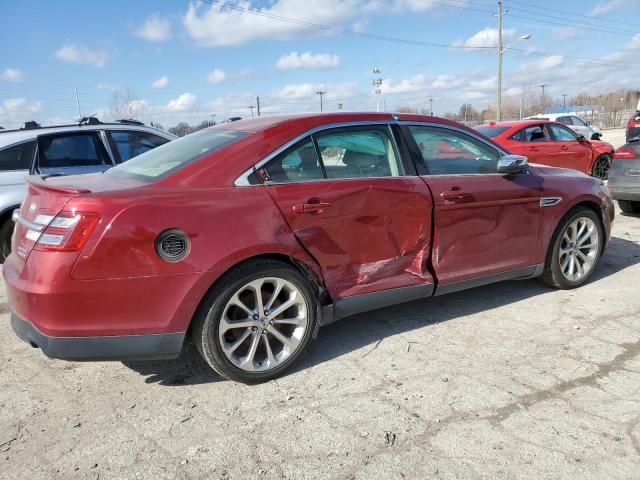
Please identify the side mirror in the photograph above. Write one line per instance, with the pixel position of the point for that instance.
(512, 164)
(581, 139)
(588, 123)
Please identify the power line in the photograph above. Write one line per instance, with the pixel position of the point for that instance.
(574, 14)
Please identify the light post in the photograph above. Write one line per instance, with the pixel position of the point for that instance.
(501, 50)
(377, 83)
(321, 93)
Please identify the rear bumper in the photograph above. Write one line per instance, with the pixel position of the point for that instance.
(116, 347)
(622, 193)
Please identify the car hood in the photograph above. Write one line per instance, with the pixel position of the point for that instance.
(557, 171)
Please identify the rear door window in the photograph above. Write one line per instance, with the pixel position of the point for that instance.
(565, 120)
(358, 152)
(17, 157)
(298, 163)
(129, 144)
(72, 150)
(534, 133)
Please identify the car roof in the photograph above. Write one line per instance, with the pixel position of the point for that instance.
(11, 137)
(516, 123)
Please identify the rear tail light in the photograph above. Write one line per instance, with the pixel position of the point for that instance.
(625, 153)
(67, 231)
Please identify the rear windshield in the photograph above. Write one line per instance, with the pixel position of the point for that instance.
(174, 155)
(492, 132)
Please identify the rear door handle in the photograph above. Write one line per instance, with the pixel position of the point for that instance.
(564, 148)
(316, 207)
(533, 149)
(456, 196)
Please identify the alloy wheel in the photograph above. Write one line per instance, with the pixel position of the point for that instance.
(602, 167)
(579, 249)
(263, 324)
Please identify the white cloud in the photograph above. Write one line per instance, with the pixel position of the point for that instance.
(422, 83)
(545, 64)
(74, 53)
(611, 5)
(182, 103)
(487, 38)
(15, 111)
(567, 33)
(308, 61)
(308, 91)
(155, 29)
(216, 26)
(216, 76)
(162, 82)
(12, 75)
(425, 5)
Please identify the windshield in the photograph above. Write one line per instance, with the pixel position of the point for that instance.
(174, 155)
(492, 132)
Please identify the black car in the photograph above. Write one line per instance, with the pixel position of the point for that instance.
(624, 176)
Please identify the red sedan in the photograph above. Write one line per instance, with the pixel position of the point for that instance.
(253, 234)
(552, 143)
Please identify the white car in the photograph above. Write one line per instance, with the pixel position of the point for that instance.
(574, 122)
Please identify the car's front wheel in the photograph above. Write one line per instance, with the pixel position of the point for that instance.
(256, 322)
(575, 249)
(601, 167)
(6, 230)
(627, 206)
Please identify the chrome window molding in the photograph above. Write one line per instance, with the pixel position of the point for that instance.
(550, 201)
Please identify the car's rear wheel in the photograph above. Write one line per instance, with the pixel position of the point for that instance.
(256, 322)
(627, 206)
(596, 136)
(575, 249)
(6, 230)
(601, 167)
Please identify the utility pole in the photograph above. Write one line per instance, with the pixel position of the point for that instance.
(377, 83)
(78, 104)
(321, 93)
(258, 105)
(521, 106)
(466, 106)
(564, 102)
(251, 107)
(431, 107)
(543, 86)
(500, 52)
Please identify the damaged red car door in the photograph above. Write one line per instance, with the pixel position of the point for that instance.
(345, 195)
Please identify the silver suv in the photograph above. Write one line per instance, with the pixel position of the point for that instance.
(87, 147)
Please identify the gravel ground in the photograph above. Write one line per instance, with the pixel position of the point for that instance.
(509, 381)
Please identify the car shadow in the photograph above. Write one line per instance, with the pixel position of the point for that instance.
(369, 328)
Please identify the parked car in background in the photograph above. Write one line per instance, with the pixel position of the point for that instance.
(86, 147)
(252, 234)
(551, 143)
(574, 122)
(624, 180)
(633, 125)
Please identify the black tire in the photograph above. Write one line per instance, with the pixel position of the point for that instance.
(596, 136)
(627, 206)
(207, 319)
(602, 167)
(5, 239)
(552, 274)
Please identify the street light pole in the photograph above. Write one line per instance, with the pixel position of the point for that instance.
(431, 107)
(251, 107)
(564, 102)
(543, 86)
(321, 93)
(501, 50)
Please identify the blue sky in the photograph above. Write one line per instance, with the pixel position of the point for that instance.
(187, 60)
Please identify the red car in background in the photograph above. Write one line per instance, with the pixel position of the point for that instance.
(250, 235)
(553, 144)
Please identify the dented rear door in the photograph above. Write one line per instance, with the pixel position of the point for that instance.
(368, 234)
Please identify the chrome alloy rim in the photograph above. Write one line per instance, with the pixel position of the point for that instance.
(579, 249)
(263, 324)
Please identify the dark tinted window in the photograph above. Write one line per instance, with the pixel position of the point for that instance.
(578, 121)
(129, 144)
(358, 153)
(565, 120)
(447, 152)
(534, 133)
(296, 164)
(176, 154)
(74, 150)
(18, 157)
(492, 132)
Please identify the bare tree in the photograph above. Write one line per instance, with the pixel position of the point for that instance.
(125, 104)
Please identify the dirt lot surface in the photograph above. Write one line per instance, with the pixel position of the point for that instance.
(509, 381)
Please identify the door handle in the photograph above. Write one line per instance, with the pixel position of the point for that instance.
(315, 207)
(456, 196)
(564, 148)
(533, 149)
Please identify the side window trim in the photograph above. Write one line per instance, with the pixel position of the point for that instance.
(33, 155)
(107, 146)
